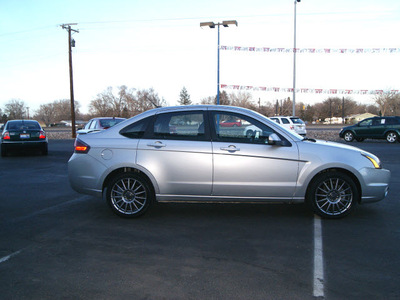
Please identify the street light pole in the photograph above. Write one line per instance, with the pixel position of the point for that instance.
(212, 25)
(294, 61)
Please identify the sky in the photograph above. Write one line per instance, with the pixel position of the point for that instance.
(160, 45)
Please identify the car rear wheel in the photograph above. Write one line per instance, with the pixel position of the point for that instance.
(332, 195)
(129, 195)
(392, 137)
(348, 136)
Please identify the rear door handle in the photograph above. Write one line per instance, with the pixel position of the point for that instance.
(157, 144)
(230, 148)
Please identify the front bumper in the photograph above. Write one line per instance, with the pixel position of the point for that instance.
(376, 184)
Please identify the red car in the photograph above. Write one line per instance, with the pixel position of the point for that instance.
(231, 123)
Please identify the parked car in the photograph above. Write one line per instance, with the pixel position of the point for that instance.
(141, 160)
(231, 123)
(292, 123)
(23, 135)
(373, 128)
(98, 124)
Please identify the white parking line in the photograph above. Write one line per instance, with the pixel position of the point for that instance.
(318, 259)
(5, 258)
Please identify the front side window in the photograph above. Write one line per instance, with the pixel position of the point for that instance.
(250, 131)
(365, 123)
(180, 126)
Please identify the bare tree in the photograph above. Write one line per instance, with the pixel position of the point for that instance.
(147, 99)
(388, 103)
(108, 104)
(56, 111)
(46, 114)
(15, 109)
(242, 99)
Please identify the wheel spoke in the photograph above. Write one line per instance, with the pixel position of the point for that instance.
(128, 196)
(333, 196)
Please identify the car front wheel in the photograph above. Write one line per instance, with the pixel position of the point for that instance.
(129, 195)
(332, 195)
(392, 137)
(348, 136)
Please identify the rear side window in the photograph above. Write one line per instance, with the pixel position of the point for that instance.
(136, 130)
(179, 126)
(285, 121)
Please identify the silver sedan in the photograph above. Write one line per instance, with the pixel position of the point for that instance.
(174, 154)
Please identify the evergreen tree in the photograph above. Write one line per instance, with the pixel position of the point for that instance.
(184, 97)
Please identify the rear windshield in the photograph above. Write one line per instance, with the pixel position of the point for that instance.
(110, 122)
(297, 121)
(22, 125)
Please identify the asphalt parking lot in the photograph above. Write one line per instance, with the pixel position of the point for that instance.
(58, 244)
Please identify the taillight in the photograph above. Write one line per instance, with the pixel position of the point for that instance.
(42, 135)
(6, 135)
(81, 147)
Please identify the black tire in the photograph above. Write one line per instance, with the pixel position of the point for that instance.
(249, 133)
(392, 137)
(129, 195)
(332, 195)
(3, 150)
(348, 136)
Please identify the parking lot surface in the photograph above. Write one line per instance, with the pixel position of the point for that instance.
(58, 244)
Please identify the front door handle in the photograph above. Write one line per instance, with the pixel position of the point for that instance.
(230, 148)
(157, 144)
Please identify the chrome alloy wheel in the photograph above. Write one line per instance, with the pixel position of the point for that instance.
(128, 196)
(391, 137)
(334, 196)
(348, 136)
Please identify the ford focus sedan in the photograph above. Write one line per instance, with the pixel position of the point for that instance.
(175, 154)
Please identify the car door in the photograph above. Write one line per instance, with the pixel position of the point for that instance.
(178, 154)
(378, 128)
(363, 129)
(247, 166)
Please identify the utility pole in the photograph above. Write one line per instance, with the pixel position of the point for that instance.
(71, 43)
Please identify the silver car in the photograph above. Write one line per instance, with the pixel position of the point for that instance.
(174, 154)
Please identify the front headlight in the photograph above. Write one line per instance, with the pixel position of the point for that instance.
(373, 159)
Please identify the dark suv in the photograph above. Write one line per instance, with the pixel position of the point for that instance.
(373, 128)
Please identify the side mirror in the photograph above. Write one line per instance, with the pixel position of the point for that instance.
(274, 139)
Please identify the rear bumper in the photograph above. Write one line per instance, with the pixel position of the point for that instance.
(21, 145)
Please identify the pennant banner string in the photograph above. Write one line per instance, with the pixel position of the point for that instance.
(312, 50)
(306, 90)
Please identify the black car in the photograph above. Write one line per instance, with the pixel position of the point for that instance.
(373, 128)
(23, 135)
